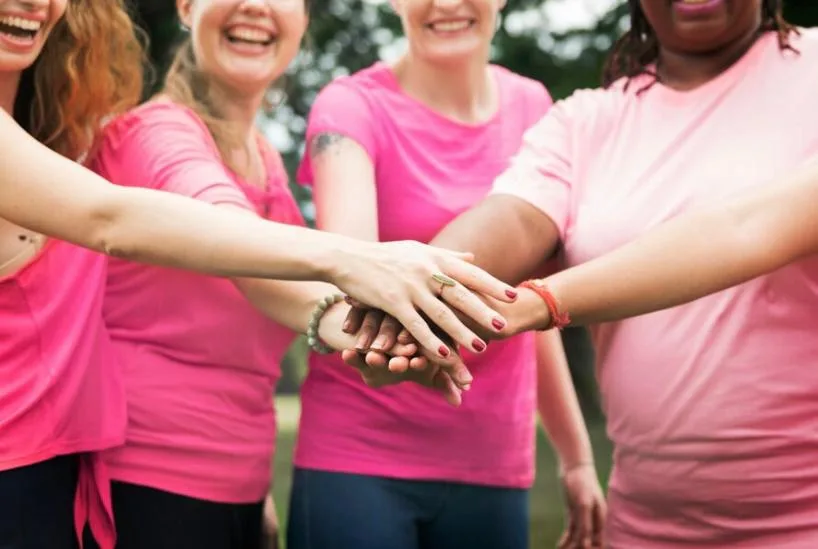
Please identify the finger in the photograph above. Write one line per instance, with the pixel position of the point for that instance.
(353, 320)
(400, 349)
(405, 337)
(444, 383)
(600, 512)
(478, 280)
(445, 319)
(419, 363)
(375, 359)
(353, 358)
(585, 526)
(572, 530)
(355, 303)
(454, 366)
(369, 329)
(399, 364)
(431, 344)
(387, 334)
(468, 303)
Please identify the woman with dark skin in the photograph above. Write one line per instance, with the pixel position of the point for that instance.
(710, 405)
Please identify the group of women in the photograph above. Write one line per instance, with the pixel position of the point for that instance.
(143, 321)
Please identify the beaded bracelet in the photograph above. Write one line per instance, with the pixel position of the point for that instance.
(313, 340)
(558, 319)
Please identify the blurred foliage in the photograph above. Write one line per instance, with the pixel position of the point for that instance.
(348, 35)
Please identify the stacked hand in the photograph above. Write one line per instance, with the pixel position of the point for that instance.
(385, 353)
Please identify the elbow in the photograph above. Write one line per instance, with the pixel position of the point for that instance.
(108, 233)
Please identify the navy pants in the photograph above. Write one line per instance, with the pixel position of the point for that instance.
(345, 511)
(37, 505)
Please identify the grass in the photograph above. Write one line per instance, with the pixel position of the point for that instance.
(546, 498)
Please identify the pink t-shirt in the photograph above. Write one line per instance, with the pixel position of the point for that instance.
(200, 362)
(429, 169)
(61, 390)
(712, 406)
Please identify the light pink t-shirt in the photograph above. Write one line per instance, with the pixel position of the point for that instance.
(712, 406)
(200, 362)
(429, 169)
(61, 390)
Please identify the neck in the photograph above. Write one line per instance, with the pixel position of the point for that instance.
(463, 92)
(9, 85)
(240, 109)
(686, 71)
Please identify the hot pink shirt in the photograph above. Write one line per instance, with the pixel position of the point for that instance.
(428, 170)
(712, 406)
(60, 388)
(200, 362)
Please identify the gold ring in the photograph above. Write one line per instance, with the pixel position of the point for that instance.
(444, 281)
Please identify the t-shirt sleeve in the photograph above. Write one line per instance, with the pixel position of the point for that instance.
(541, 101)
(340, 108)
(167, 148)
(541, 172)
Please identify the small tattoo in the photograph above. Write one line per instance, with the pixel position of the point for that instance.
(322, 142)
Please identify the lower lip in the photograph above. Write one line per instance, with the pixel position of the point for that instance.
(703, 8)
(18, 43)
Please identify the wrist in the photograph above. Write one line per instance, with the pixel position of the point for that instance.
(321, 324)
(566, 468)
(328, 259)
(530, 313)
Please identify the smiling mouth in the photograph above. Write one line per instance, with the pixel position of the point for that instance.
(250, 36)
(452, 26)
(18, 27)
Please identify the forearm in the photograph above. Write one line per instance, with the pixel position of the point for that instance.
(53, 195)
(290, 304)
(509, 238)
(696, 254)
(557, 403)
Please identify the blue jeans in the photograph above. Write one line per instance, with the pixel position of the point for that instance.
(345, 511)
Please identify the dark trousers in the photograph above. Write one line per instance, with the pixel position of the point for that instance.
(147, 518)
(37, 505)
(344, 511)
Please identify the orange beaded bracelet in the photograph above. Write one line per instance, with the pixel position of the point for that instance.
(558, 319)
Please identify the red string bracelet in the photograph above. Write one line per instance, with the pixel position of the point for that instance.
(558, 319)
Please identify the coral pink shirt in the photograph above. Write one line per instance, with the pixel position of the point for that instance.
(428, 170)
(712, 406)
(200, 362)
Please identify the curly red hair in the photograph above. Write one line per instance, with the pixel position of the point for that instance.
(91, 68)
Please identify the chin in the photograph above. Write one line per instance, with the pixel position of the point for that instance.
(11, 64)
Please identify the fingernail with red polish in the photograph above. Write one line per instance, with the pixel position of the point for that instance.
(511, 294)
(498, 323)
(443, 351)
(478, 345)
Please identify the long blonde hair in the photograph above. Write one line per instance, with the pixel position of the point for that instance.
(90, 68)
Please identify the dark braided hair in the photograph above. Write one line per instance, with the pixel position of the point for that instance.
(638, 47)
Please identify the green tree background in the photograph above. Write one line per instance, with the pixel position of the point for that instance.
(347, 35)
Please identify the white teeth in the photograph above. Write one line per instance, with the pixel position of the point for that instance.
(20, 23)
(250, 35)
(451, 26)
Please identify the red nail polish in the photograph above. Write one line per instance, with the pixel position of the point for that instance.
(478, 345)
(512, 294)
(498, 324)
(443, 351)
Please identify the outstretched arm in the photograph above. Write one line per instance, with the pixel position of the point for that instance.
(50, 194)
(692, 256)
